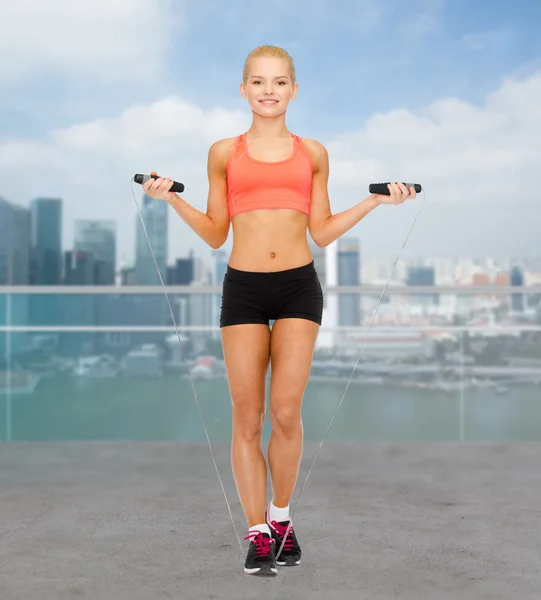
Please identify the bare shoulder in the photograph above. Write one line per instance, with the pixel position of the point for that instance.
(318, 152)
(221, 149)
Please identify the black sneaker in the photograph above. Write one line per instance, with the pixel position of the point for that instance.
(290, 556)
(261, 559)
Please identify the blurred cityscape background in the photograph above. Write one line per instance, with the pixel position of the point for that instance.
(445, 94)
(89, 348)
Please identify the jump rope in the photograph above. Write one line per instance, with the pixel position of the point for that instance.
(374, 188)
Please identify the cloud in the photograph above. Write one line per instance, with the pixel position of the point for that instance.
(461, 153)
(101, 40)
(478, 166)
(452, 145)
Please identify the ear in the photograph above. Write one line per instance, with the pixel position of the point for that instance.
(243, 91)
(295, 90)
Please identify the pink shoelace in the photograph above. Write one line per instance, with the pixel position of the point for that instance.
(281, 529)
(262, 544)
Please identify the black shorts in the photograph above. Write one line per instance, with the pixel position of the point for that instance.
(255, 297)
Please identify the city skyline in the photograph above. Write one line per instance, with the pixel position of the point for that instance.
(33, 241)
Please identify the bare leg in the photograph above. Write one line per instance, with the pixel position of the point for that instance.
(292, 349)
(246, 355)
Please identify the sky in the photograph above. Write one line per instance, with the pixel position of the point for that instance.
(438, 92)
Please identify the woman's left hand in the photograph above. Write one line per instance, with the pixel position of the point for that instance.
(399, 194)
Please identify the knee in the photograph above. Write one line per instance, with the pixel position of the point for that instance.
(248, 423)
(286, 419)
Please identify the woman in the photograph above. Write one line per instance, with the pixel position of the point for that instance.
(272, 186)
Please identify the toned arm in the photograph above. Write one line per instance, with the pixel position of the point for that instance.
(217, 207)
(212, 226)
(325, 227)
(320, 208)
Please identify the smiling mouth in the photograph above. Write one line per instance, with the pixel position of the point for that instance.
(269, 101)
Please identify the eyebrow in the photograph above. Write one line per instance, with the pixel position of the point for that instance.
(261, 77)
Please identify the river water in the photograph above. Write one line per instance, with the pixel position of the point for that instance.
(64, 408)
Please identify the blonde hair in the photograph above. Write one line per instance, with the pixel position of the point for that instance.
(269, 51)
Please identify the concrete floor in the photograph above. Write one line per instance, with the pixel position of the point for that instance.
(145, 521)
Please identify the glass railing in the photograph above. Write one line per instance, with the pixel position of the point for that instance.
(445, 363)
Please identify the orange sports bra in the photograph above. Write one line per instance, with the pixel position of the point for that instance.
(253, 184)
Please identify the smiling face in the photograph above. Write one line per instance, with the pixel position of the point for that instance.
(269, 86)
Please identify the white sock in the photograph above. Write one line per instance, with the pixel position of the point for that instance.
(263, 528)
(278, 514)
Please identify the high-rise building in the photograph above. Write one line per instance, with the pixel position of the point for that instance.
(14, 244)
(320, 261)
(220, 268)
(183, 271)
(349, 274)
(14, 270)
(444, 269)
(419, 275)
(516, 278)
(99, 238)
(46, 241)
(79, 268)
(154, 213)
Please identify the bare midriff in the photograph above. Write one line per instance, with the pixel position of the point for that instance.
(270, 240)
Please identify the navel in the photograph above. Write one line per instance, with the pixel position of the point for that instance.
(273, 255)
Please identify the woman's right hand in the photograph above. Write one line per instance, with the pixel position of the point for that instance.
(159, 188)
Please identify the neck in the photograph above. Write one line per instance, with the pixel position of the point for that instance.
(268, 128)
